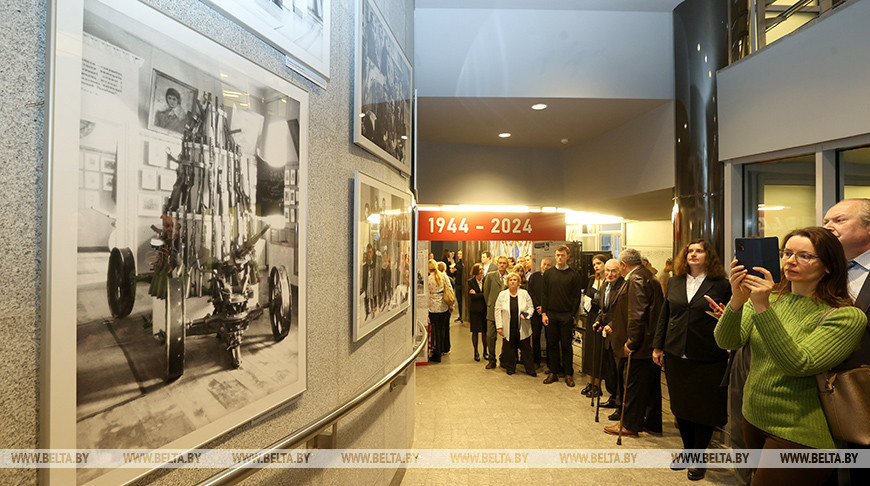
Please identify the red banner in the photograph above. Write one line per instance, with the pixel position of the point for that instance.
(486, 226)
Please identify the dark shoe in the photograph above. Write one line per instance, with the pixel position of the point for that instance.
(696, 473)
(594, 392)
(586, 389)
(435, 360)
(551, 378)
(531, 373)
(611, 403)
(678, 466)
(614, 430)
(476, 356)
(615, 415)
(569, 380)
(652, 431)
(490, 365)
(510, 372)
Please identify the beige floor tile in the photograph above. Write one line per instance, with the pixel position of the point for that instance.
(461, 405)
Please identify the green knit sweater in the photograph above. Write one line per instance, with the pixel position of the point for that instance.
(789, 346)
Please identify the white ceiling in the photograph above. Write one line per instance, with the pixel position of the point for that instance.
(478, 121)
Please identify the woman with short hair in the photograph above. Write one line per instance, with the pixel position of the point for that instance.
(477, 309)
(513, 309)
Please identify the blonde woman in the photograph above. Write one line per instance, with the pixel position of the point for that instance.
(513, 309)
(448, 280)
(439, 312)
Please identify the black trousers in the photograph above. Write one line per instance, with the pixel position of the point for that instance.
(509, 353)
(560, 351)
(537, 328)
(606, 370)
(619, 366)
(643, 399)
(694, 435)
(440, 332)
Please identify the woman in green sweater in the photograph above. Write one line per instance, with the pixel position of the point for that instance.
(801, 326)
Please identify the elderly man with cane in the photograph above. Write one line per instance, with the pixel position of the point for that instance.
(642, 398)
(606, 363)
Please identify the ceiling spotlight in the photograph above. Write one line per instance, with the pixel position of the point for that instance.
(539, 106)
(564, 141)
(504, 135)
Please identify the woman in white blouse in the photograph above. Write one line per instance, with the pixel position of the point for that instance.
(513, 309)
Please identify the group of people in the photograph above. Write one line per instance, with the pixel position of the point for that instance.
(812, 320)
(741, 343)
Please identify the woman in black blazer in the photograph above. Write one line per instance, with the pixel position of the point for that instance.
(477, 308)
(684, 344)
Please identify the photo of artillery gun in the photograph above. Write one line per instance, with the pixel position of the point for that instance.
(205, 275)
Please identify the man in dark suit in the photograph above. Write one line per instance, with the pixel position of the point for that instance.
(849, 221)
(536, 287)
(493, 284)
(606, 297)
(643, 392)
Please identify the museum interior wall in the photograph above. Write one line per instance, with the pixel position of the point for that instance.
(337, 367)
(597, 175)
(453, 173)
(530, 52)
(521, 53)
(802, 90)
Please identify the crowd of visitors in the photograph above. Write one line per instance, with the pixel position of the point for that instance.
(737, 346)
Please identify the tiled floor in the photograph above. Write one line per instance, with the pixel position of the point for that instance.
(461, 405)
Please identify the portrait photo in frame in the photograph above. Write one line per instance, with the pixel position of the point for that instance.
(383, 90)
(382, 253)
(298, 28)
(124, 382)
(171, 104)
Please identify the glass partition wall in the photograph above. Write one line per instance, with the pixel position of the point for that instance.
(773, 195)
(779, 196)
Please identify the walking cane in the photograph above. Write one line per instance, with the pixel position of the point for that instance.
(601, 354)
(594, 371)
(624, 393)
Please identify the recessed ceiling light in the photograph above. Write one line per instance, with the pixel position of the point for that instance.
(504, 135)
(539, 106)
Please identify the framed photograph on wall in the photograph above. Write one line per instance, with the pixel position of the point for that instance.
(298, 28)
(171, 104)
(145, 370)
(383, 90)
(382, 253)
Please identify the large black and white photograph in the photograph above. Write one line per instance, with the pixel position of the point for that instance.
(298, 28)
(184, 289)
(172, 103)
(382, 254)
(383, 99)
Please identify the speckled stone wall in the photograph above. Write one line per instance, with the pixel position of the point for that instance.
(338, 368)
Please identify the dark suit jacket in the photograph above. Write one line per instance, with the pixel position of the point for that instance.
(476, 301)
(491, 289)
(608, 314)
(536, 286)
(643, 304)
(862, 355)
(685, 328)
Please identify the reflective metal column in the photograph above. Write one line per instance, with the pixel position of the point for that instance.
(700, 48)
